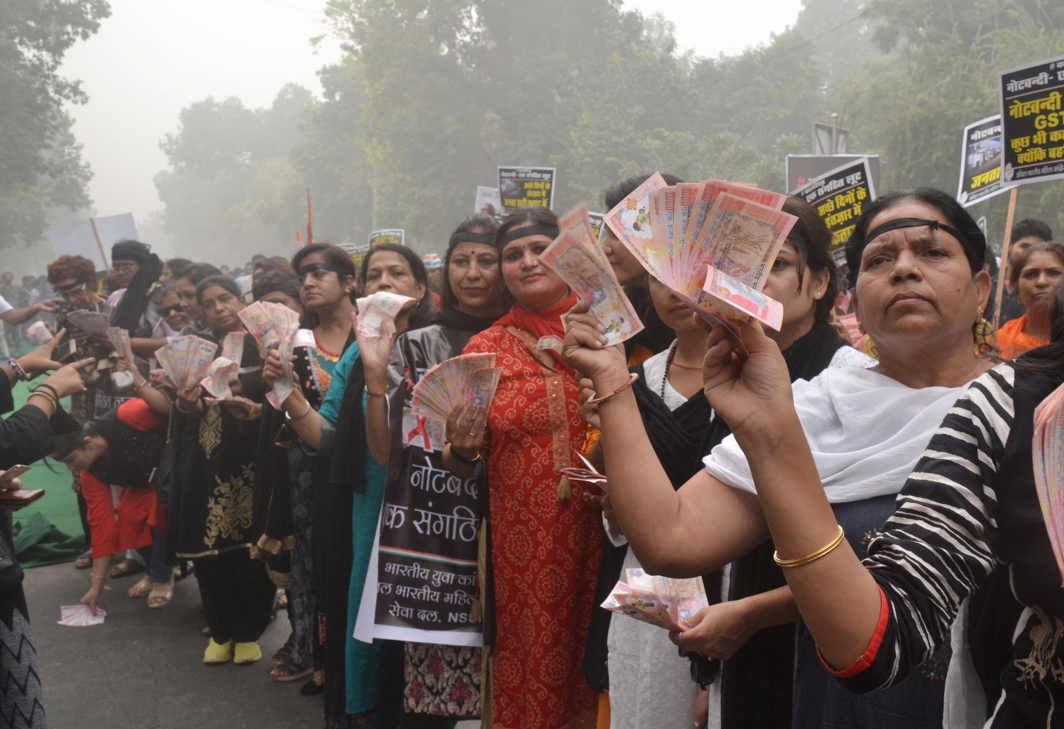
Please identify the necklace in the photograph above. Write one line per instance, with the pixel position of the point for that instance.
(686, 367)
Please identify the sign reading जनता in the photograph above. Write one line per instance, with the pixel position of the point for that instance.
(980, 161)
(395, 236)
(1032, 115)
(526, 187)
(839, 197)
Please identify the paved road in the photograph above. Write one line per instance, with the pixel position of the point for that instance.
(141, 669)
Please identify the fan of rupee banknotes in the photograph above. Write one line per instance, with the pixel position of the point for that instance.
(186, 360)
(711, 242)
(275, 325)
(668, 603)
(465, 379)
(1047, 451)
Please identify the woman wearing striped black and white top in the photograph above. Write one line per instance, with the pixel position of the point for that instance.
(851, 436)
(969, 505)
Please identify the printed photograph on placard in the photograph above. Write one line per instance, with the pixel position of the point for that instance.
(980, 177)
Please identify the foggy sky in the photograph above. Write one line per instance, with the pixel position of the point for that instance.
(151, 58)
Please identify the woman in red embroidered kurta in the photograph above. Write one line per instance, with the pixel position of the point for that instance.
(546, 537)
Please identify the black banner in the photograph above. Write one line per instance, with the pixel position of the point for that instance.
(1032, 114)
(526, 187)
(839, 197)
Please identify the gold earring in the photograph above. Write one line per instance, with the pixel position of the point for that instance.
(983, 335)
(868, 346)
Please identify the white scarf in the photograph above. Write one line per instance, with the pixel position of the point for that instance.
(866, 432)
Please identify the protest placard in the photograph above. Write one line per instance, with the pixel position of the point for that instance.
(93, 238)
(1032, 115)
(839, 197)
(487, 202)
(799, 169)
(357, 252)
(421, 583)
(395, 236)
(526, 187)
(980, 161)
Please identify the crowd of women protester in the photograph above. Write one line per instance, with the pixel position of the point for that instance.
(862, 513)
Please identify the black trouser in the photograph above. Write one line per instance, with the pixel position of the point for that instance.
(237, 596)
(83, 512)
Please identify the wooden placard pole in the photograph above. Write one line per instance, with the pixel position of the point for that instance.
(99, 244)
(1003, 269)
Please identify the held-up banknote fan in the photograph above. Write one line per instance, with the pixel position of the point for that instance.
(712, 242)
(275, 325)
(465, 379)
(186, 360)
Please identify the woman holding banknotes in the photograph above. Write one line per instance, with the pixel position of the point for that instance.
(545, 533)
(210, 509)
(353, 486)
(917, 259)
(436, 683)
(323, 289)
(753, 686)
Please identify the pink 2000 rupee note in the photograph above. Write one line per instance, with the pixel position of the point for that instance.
(375, 309)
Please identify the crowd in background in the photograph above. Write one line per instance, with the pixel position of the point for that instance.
(727, 459)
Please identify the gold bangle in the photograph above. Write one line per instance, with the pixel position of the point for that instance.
(371, 393)
(46, 396)
(812, 556)
(299, 417)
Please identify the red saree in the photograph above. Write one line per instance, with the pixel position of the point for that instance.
(545, 551)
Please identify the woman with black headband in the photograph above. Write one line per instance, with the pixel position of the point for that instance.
(546, 537)
(350, 489)
(438, 682)
(751, 675)
(917, 260)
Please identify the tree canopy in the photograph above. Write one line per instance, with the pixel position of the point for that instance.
(40, 160)
(431, 96)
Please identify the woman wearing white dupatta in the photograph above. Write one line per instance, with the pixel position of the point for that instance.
(917, 260)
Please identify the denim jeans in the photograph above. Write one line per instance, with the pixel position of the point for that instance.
(156, 564)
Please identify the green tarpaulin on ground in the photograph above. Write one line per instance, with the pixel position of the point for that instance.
(49, 530)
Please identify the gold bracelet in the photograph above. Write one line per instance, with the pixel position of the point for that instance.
(46, 396)
(299, 417)
(812, 556)
(371, 393)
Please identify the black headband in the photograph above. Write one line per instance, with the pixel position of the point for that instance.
(551, 231)
(915, 223)
(462, 237)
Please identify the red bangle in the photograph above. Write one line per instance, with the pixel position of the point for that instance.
(632, 377)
